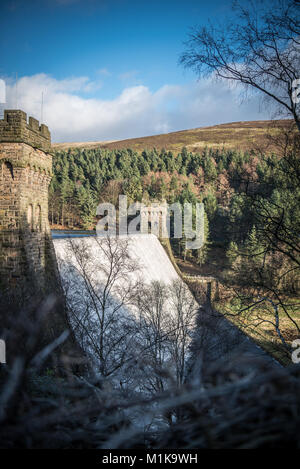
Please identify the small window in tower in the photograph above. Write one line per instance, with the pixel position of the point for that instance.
(8, 170)
(30, 216)
(38, 218)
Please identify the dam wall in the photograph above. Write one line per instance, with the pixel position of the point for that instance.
(154, 263)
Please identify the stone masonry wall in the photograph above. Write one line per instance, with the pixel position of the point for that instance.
(28, 267)
(25, 174)
(14, 128)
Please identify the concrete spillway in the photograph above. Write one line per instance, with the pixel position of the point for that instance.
(216, 334)
(123, 296)
(153, 261)
(88, 273)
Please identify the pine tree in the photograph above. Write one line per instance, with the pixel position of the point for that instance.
(232, 253)
(202, 253)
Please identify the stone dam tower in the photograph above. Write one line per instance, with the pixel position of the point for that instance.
(26, 251)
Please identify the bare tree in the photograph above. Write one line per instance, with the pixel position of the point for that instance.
(134, 332)
(167, 320)
(265, 272)
(39, 410)
(182, 325)
(258, 48)
(153, 337)
(100, 280)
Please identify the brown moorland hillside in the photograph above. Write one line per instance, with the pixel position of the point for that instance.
(238, 135)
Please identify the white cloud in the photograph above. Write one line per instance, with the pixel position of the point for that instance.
(135, 112)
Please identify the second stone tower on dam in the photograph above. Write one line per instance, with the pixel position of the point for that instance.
(25, 174)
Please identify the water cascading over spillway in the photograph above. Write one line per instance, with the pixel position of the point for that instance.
(122, 294)
(88, 270)
(153, 261)
(217, 335)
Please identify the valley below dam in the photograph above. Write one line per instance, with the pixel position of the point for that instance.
(151, 268)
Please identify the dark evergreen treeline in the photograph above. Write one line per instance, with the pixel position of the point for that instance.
(226, 181)
(82, 177)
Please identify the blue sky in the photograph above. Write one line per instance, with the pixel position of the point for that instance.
(108, 69)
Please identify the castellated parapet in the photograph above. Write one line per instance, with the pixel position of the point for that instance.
(14, 128)
(25, 174)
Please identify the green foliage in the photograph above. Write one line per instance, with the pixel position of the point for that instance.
(133, 189)
(209, 167)
(211, 205)
(88, 205)
(247, 224)
(232, 253)
(202, 253)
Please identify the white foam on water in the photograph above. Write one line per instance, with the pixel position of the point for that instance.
(154, 262)
(85, 298)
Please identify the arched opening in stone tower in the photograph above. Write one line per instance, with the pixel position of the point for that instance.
(7, 170)
(38, 218)
(30, 216)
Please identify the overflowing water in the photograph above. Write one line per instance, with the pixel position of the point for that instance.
(126, 304)
(125, 299)
(154, 263)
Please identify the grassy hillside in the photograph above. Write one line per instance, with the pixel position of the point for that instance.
(239, 135)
